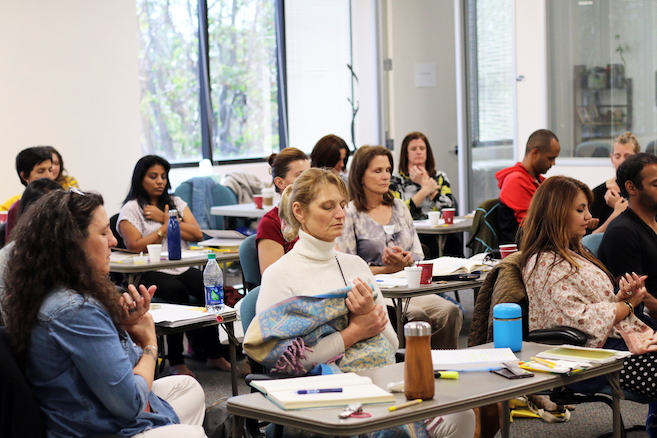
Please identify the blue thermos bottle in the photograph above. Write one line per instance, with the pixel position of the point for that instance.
(507, 326)
(173, 236)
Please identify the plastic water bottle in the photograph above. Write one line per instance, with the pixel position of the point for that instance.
(213, 279)
(173, 236)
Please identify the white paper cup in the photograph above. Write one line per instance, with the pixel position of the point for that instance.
(268, 197)
(154, 252)
(413, 276)
(434, 218)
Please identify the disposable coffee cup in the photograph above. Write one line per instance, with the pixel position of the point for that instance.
(427, 272)
(448, 215)
(434, 218)
(3, 216)
(413, 276)
(508, 249)
(257, 199)
(154, 252)
(268, 197)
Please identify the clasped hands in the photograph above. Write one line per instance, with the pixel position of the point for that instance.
(632, 288)
(396, 258)
(420, 176)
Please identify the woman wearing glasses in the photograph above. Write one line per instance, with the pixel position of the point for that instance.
(90, 354)
(379, 229)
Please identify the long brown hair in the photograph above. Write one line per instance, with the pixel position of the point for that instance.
(545, 228)
(48, 253)
(429, 165)
(362, 158)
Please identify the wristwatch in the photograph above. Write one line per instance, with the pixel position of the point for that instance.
(160, 234)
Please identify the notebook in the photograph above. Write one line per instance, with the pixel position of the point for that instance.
(284, 392)
(444, 266)
(472, 359)
(583, 354)
(177, 315)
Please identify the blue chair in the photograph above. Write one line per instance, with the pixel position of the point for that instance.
(221, 195)
(592, 242)
(248, 307)
(249, 262)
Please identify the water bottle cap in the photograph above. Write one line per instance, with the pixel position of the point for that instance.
(417, 328)
(212, 256)
(173, 213)
(507, 310)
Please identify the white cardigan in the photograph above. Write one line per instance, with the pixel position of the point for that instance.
(319, 273)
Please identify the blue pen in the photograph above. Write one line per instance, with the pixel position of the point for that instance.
(318, 391)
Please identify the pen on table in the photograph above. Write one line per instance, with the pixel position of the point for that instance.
(475, 370)
(547, 363)
(318, 391)
(405, 405)
(446, 375)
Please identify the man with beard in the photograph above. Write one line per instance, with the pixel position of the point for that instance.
(630, 242)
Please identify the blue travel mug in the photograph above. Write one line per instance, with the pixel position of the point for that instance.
(507, 326)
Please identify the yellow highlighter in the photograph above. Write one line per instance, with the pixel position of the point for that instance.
(405, 405)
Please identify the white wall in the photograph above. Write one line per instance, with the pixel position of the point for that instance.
(68, 78)
(422, 31)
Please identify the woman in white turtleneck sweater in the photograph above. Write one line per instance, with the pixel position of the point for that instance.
(314, 209)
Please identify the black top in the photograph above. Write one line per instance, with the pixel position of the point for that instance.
(599, 208)
(630, 245)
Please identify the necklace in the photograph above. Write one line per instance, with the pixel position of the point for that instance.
(319, 278)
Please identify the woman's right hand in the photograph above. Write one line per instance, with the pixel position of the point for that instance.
(360, 299)
(143, 332)
(612, 197)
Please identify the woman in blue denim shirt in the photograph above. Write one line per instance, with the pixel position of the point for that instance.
(89, 353)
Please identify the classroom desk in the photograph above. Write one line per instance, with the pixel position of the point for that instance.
(471, 390)
(401, 296)
(422, 227)
(228, 324)
(240, 210)
(134, 271)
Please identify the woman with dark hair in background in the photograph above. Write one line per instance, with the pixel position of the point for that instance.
(58, 171)
(143, 221)
(331, 152)
(379, 229)
(89, 353)
(285, 167)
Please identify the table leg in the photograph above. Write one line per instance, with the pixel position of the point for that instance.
(238, 426)
(441, 244)
(506, 419)
(616, 394)
(398, 314)
(232, 343)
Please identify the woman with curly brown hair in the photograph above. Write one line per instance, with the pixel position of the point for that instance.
(89, 353)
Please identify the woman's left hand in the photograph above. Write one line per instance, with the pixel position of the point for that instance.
(631, 287)
(134, 305)
(155, 214)
(360, 299)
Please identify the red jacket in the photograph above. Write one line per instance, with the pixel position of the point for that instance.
(517, 187)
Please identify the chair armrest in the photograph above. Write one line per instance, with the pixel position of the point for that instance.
(558, 335)
(267, 376)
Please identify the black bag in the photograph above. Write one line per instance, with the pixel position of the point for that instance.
(218, 422)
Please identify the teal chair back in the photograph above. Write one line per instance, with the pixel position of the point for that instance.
(248, 307)
(592, 242)
(221, 195)
(249, 262)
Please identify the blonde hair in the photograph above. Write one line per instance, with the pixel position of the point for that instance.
(629, 138)
(304, 191)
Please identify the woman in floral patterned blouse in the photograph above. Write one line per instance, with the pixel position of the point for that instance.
(567, 285)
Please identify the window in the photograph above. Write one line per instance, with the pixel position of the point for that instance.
(242, 69)
(602, 66)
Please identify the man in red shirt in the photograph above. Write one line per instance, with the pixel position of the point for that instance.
(519, 183)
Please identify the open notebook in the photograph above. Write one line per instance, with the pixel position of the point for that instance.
(177, 315)
(284, 392)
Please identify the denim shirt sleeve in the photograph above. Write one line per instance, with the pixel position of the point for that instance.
(87, 333)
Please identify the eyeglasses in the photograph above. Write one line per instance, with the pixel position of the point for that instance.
(75, 190)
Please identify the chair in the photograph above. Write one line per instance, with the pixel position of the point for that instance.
(593, 148)
(485, 229)
(20, 414)
(592, 242)
(651, 148)
(113, 226)
(249, 262)
(221, 195)
(507, 225)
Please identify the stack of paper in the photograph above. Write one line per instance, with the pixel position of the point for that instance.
(177, 315)
(472, 359)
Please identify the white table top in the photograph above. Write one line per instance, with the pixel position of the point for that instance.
(460, 224)
(126, 266)
(239, 210)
